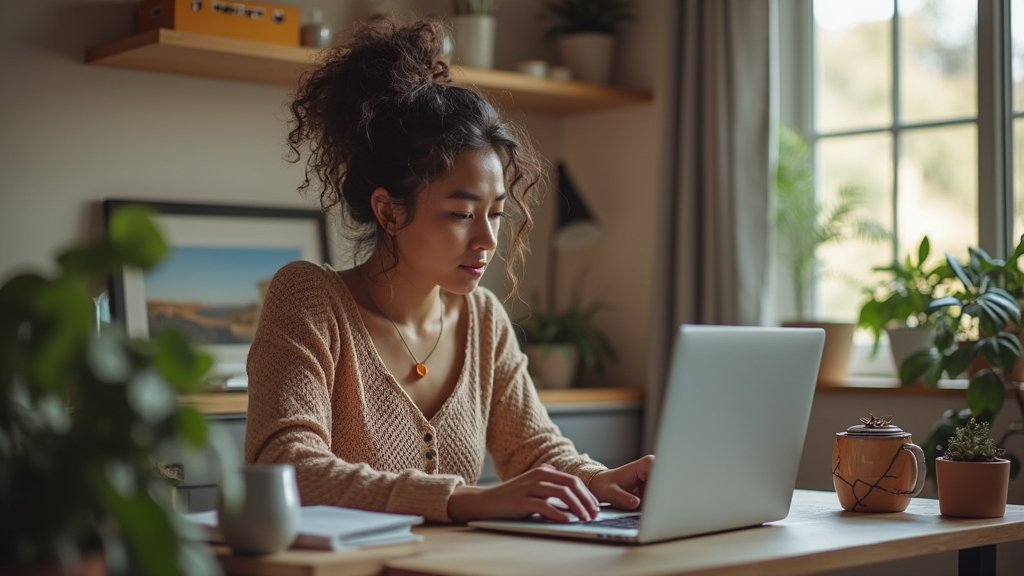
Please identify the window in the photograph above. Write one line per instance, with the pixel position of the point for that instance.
(906, 103)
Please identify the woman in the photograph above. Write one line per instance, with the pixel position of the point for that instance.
(386, 384)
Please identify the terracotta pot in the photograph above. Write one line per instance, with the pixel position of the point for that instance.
(835, 358)
(972, 489)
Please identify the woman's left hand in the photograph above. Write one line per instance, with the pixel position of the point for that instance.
(623, 487)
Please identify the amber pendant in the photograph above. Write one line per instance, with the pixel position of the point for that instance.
(421, 370)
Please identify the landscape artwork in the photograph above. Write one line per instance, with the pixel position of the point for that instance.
(213, 294)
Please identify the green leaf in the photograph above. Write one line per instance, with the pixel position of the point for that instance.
(944, 302)
(958, 361)
(149, 529)
(923, 250)
(958, 270)
(192, 426)
(136, 238)
(917, 364)
(151, 397)
(180, 363)
(986, 393)
(58, 338)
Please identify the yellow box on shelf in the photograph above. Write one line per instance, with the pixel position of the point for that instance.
(260, 21)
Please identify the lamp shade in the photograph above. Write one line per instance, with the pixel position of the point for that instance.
(575, 226)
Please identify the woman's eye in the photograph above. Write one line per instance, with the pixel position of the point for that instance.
(497, 215)
(461, 215)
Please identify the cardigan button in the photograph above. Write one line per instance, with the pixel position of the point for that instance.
(430, 454)
(428, 437)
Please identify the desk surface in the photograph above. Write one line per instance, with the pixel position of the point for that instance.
(816, 536)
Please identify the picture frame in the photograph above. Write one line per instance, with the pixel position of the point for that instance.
(211, 285)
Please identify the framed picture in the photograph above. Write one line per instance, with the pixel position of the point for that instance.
(212, 283)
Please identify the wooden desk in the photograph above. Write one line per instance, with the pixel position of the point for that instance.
(817, 536)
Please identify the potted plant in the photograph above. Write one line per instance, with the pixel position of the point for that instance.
(900, 303)
(972, 478)
(803, 226)
(473, 27)
(585, 31)
(558, 343)
(84, 416)
(976, 331)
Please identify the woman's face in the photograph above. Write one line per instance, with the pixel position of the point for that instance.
(452, 237)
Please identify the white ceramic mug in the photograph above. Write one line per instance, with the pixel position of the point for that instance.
(268, 515)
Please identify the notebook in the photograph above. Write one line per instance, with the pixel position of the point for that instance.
(729, 440)
(334, 528)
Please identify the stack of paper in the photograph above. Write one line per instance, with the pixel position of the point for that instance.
(334, 528)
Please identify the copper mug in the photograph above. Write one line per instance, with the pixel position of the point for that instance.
(876, 469)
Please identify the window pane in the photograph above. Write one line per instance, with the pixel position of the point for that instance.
(938, 59)
(1017, 63)
(1018, 178)
(853, 63)
(865, 163)
(938, 193)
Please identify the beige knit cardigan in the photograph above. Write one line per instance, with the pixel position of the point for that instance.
(321, 398)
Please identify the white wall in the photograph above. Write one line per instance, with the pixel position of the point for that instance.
(74, 134)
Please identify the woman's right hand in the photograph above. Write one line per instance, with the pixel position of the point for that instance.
(524, 495)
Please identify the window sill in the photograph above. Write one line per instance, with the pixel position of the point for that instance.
(890, 385)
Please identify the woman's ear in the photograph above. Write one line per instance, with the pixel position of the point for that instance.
(389, 213)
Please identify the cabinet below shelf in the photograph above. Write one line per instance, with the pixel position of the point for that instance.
(177, 52)
(238, 402)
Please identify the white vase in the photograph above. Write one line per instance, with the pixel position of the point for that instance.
(473, 35)
(552, 365)
(904, 341)
(589, 55)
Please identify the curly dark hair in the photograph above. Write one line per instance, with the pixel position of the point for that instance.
(380, 111)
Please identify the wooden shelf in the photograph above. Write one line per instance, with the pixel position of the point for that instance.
(238, 402)
(176, 52)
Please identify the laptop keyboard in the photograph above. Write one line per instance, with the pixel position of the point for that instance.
(623, 522)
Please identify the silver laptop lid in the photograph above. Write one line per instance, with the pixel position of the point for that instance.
(731, 430)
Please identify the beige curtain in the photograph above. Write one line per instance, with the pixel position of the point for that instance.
(724, 178)
(718, 199)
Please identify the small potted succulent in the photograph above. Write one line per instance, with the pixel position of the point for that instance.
(972, 477)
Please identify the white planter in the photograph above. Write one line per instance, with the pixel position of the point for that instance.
(589, 55)
(904, 341)
(552, 365)
(473, 35)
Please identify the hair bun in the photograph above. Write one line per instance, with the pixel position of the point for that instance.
(389, 60)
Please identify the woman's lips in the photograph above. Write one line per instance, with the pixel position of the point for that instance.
(476, 270)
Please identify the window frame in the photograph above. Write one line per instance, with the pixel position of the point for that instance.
(993, 121)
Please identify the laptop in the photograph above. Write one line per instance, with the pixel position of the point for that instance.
(730, 436)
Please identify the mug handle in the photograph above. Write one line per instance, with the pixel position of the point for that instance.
(919, 465)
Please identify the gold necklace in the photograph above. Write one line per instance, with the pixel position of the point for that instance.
(420, 366)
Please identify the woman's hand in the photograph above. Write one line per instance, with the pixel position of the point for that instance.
(523, 495)
(623, 487)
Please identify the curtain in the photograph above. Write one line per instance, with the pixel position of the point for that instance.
(719, 198)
